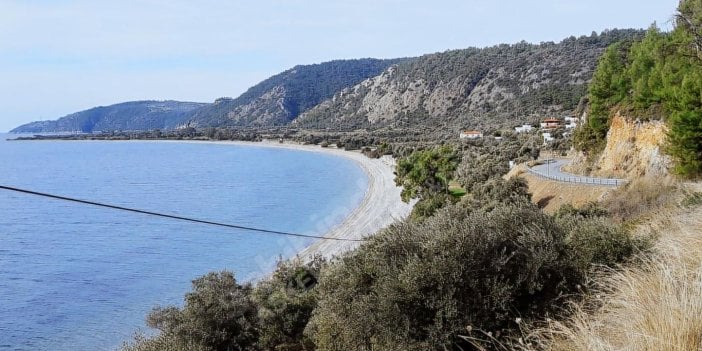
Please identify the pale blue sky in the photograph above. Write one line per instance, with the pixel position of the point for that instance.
(61, 56)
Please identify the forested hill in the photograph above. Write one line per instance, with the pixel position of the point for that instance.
(476, 88)
(275, 101)
(281, 98)
(136, 115)
(473, 88)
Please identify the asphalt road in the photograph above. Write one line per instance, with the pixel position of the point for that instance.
(552, 170)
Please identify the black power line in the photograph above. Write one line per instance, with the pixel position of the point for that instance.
(193, 220)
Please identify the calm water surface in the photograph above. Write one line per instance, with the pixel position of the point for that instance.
(74, 277)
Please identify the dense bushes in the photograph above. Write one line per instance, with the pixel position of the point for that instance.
(593, 238)
(425, 174)
(285, 304)
(219, 314)
(222, 315)
(485, 159)
(477, 266)
(422, 286)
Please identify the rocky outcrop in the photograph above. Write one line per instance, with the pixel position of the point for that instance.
(634, 149)
(280, 99)
(268, 109)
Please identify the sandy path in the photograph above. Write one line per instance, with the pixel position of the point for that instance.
(381, 205)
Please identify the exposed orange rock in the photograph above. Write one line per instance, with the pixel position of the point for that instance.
(634, 149)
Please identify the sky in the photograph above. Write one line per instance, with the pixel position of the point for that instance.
(61, 56)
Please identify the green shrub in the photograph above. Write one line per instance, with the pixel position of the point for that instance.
(160, 342)
(429, 205)
(425, 175)
(285, 302)
(218, 315)
(498, 192)
(693, 199)
(591, 210)
(597, 241)
(418, 286)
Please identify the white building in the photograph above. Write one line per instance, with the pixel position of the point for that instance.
(548, 137)
(525, 128)
(571, 120)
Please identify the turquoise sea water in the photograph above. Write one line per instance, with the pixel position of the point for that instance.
(74, 277)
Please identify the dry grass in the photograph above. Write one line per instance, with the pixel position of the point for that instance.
(551, 195)
(656, 305)
(640, 197)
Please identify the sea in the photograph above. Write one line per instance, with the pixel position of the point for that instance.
(77, 277)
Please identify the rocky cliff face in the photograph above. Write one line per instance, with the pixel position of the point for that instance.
(634, 149)
(266, 110)
(279, 99)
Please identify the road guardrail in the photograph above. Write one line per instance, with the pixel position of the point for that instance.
(580, 180)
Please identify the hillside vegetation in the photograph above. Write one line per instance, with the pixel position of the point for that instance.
(137, 115)
(497, 86)
(281, 98)
(658, 77)
(434, 95)
(275, 101)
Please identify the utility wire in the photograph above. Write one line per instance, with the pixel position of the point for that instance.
(193, 220)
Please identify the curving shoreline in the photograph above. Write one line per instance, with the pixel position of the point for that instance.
(380, 207)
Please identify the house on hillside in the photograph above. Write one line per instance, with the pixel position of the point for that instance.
(571, 122)
(547, 137)
(471, 134)
(550, 123)
(525, 128)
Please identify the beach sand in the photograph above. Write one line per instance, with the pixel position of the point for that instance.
(380, 207)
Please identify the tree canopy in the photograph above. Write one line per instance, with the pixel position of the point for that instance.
(658, 77)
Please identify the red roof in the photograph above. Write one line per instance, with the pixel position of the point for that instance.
(471, 132)
(550, 120)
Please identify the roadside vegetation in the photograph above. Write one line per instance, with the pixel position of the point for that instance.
(654, 304)
(658, 77)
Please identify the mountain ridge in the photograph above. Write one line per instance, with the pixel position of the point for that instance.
(473, 87)
(126, 116)
(481, 88)
(281, 98)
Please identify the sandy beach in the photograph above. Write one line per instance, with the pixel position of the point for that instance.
(380, 207)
